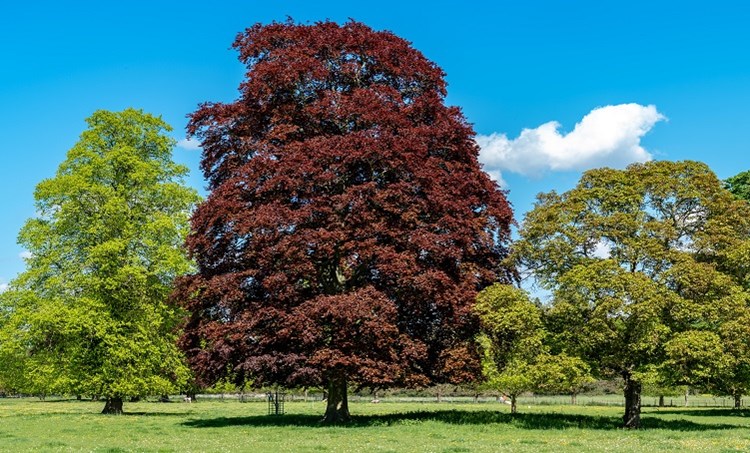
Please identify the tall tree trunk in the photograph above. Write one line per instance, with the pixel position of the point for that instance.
(513, 407)
(661, 401)
(632, 417)
(573, 398)
(192, 396)
(737, 400)
(687, 393)
(113, 405)
(337, 408)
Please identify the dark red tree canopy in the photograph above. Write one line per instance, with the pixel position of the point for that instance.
(349, 225)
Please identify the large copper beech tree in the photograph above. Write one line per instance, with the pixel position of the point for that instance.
(349, 225)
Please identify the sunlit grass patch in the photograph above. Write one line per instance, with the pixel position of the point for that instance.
(32, 425)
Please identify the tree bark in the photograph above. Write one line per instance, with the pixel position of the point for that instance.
(687, 393)
(113, 406)
(661, 401)
(737, 400)
(192, 396)
(573, 398)
(337, 407)
(513, 407)
(632, 417)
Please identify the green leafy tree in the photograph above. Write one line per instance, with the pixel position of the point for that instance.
(515, 356)
(633, 258)
(89, 315)
(515, 378)
(711, 348)
(733, 377)
(654, 384)
(511, 339)
(561, 374)
(739, 185)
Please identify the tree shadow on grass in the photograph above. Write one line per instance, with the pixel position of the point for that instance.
(457, 417)
(707, 412)
(153, 414)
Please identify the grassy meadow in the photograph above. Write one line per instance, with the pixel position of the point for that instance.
(230, 425)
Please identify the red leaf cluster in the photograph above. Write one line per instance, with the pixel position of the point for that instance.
(349, 225)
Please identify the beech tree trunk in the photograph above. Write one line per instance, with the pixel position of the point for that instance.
(337, 408)
(737, 400)
(113, 405)
(513, 407)
(687, 393)
(632, 417)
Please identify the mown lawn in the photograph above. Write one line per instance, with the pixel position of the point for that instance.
(387, 427)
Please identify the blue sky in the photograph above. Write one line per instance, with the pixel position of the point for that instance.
(682, 68)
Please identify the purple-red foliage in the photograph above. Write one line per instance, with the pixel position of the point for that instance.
(349, 225)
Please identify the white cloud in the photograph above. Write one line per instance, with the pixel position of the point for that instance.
(3, 287)
(606, 136)
(189, 144)
(25, 254)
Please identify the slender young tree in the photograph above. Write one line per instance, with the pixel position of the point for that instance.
(510, 341)
(349, 225)
(90, 315)
(515, 355)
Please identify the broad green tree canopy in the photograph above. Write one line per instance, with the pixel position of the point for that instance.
(641, 262)
(89, 315)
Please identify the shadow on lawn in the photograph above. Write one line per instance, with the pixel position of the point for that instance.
(456, 417)
(153, 414)
(707, 412)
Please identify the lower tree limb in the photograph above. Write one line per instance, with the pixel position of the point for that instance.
(113, 405)
(337, 407)
(632, 417)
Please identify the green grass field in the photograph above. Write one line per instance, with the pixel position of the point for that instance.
(230, 425)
